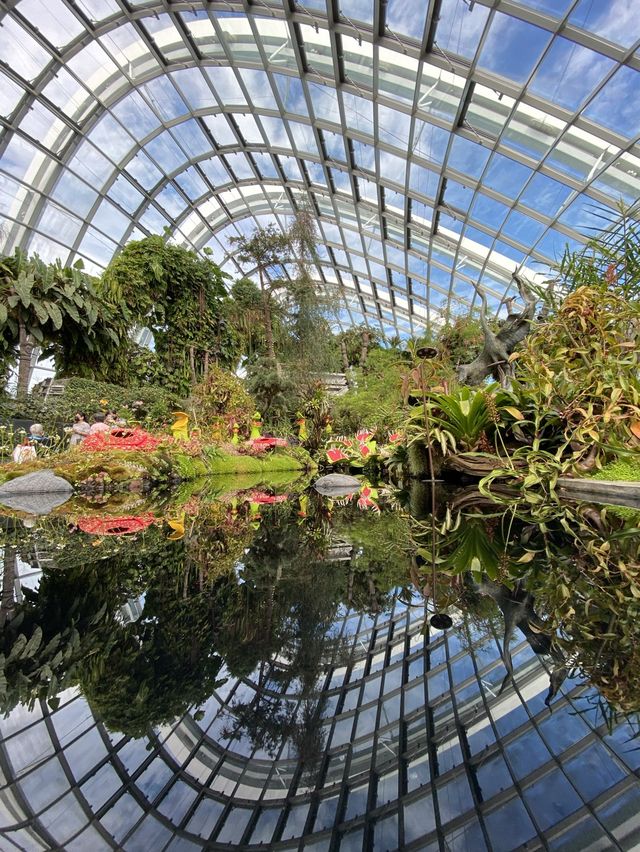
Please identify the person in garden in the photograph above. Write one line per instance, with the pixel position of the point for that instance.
(112, 419)
(37, 436)
(80, 429)
(24, 451)
(99, 425)
(36, 431)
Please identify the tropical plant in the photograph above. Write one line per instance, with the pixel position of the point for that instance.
(375, 398)
(579, 379)
(611, 257)
(181, 298)
(267, 250)
(276, 393)
(48, 305)
(220, 401)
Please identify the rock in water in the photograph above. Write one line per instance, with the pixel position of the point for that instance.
(36, 493)
(337, 485)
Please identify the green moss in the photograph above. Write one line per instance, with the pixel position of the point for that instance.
(271, 462)
(123, 465)
(621, 470)
(627, 513)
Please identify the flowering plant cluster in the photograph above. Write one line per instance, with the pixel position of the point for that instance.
(357, 450)
(121, 439)
(193, 446)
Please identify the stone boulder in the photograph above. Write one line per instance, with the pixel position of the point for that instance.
(337, 485)
(36, 493)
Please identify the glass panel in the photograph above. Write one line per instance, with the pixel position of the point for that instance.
(460, 27)
(568, 73)
(20, 51)
(614, 106)
(512, 47)
(615, 23)
(551, 799)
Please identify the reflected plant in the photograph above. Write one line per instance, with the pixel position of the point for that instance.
(580, 565)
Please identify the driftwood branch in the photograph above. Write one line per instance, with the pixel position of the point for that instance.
(493, 360)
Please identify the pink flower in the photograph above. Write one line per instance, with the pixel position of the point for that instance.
(365, 450)
(363, 435)
(394, 436)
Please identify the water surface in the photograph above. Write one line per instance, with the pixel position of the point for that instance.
(236, 673)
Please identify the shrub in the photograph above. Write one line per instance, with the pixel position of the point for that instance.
(87, 395)
(376, 402)
(219, 401)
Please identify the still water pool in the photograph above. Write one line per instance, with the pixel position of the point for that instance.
(259, 670)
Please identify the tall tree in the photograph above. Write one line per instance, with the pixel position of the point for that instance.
(268, 250)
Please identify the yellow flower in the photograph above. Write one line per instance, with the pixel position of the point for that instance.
(104, 402)
(96, 543)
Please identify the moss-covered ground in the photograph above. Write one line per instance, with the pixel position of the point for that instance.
(119, 467)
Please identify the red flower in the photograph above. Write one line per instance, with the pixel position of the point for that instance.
(363, 435)
(267, 443)
(124, 525)
(120, 439)
(365, 450)
(394, 436)
(261, 497)
(335, 455)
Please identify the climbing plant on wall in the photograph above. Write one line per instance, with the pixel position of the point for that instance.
(180, 297)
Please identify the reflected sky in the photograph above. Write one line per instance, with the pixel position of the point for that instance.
(154, 120)
(327, 713)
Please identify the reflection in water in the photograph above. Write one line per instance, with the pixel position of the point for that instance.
(265, 673)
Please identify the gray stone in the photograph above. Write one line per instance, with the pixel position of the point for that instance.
(37, 493)
(38, 482)
(337, 485)
(35, 504)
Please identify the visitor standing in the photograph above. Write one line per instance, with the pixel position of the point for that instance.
(36, 431)
(80, 429)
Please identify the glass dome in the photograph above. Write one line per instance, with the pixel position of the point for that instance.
(438, 143)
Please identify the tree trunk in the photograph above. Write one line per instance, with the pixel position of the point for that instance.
(24, 361)
(266, 310)
(364, 352)
(345, 360)
(7, 602)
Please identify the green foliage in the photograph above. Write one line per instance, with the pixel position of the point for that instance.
(459, 341)
(245, 313)
(276, 393)
(579, 378)
(376, 401)
(221, 400)
(465, 414)
(85, 395)
(181, 298)
(57, 308)
(611, 258)
(353, 343)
